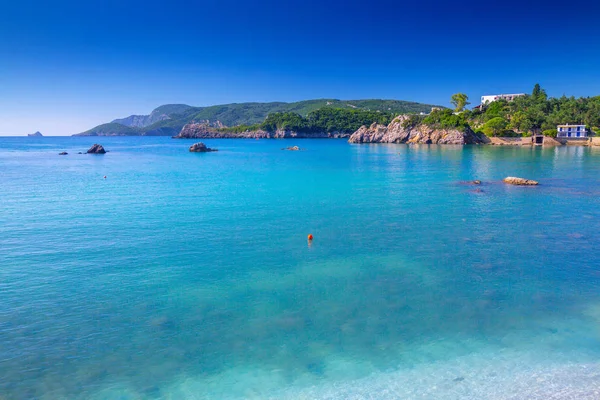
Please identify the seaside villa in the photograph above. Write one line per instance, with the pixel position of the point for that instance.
(493, 97)
(571, 131)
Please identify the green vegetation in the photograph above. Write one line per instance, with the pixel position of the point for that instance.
(325, 119)
(460, 101)
(446, 119)
(240, 128)
(535, 113)
(524, 116)
(249, 114)
(495, 126)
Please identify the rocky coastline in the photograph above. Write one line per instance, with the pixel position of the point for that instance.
(395, 132)
(202, 131)
(398, 132)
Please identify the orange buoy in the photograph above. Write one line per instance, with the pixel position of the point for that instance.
(310, 236)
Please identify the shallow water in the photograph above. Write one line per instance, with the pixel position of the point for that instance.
(189, 275)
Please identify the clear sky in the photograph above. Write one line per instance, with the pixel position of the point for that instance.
(66, 66)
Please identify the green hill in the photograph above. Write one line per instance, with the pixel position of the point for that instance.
(230, 115)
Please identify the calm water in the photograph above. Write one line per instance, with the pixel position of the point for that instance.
(187, 275)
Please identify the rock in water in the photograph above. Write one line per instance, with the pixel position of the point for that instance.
(64, 153)
(292, 148)
(511, 180)
(96, 149)
(200, 148)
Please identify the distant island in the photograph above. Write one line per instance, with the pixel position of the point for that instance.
(37, 134)
(168, 120)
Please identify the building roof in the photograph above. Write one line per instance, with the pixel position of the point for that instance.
(504, 94)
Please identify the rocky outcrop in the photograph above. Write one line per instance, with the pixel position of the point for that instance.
(203, 131)
(96, 149)
(200, 148)
(63, 153)
(37, 134)
(511, 180)
(397, 132)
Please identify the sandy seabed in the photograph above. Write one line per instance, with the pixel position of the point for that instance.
(470, 377)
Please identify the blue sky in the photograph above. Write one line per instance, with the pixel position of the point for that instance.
(66, 66)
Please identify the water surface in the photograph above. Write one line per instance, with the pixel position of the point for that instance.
(187, 275)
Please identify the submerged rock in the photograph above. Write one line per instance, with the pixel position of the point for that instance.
(96, 149)
(200, 148)
(292, 148)
(511, 180)
(64, 153)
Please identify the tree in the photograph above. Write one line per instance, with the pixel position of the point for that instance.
(536, 91)
(521, 122)
(460, 101)
(494, 126)
(538, 94)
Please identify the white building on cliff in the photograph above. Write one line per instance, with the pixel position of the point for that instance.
(494, 97)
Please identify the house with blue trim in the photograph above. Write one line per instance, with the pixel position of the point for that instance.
(571, 131)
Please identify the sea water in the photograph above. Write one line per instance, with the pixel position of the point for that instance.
(187, 275)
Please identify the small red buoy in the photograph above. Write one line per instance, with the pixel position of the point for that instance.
(310, 236)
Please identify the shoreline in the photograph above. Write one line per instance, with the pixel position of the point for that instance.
(592, 141)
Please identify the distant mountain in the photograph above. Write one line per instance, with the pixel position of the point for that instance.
(37, 134)
(160, 114)
(168, 120)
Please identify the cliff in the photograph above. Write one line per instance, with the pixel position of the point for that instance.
(397, 132)
(203, 131)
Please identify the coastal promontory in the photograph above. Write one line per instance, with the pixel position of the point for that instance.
(403, 130)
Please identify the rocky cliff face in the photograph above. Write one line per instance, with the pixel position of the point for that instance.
(395, 132)
(203, 131)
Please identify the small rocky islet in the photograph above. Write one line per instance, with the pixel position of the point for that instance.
(96, 149)
(201, 148)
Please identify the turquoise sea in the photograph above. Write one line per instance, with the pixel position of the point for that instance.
(189, 276)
